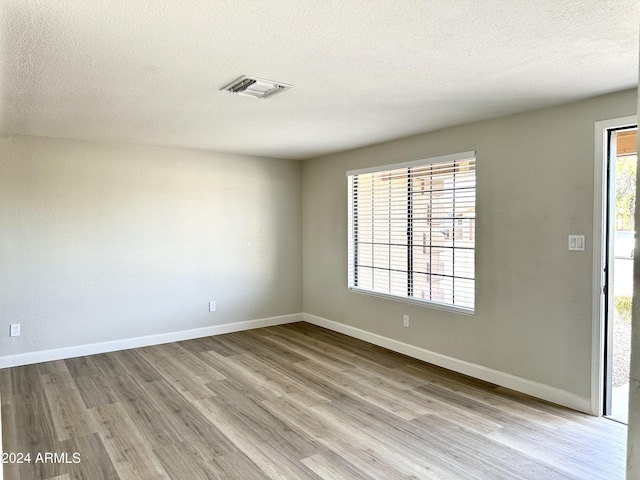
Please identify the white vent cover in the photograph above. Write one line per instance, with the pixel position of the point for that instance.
(255, 87)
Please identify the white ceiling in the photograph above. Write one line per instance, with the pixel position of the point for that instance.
(364, 71)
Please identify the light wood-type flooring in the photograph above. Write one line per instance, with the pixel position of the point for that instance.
(293, 401)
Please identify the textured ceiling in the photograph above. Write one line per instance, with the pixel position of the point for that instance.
(364, 71)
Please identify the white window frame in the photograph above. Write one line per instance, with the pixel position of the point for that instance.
(352, 231)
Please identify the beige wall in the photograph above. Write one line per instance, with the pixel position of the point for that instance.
(633, 439)
(102, 242)
(534, 298)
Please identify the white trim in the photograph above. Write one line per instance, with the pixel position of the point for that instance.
(1, 465)
(539, 390)
(599, 255)
(415, 301)
(127, 343)
(416, 163)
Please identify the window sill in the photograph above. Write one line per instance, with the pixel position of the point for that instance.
(422, 303)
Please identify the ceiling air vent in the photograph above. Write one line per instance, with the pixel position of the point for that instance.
(256, 87)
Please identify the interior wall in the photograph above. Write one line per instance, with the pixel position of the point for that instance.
(101, 242)
(535, 186)
(633, 434)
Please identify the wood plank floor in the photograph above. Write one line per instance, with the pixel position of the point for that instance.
(288, 402)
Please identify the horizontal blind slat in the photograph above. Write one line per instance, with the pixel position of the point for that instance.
(412, 231)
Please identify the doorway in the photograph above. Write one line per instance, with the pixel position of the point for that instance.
(621, 159)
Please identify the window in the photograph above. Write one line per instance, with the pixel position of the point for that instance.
(412, 231)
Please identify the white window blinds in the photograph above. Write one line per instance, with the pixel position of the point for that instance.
(412, 231)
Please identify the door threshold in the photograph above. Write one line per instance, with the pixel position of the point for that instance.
(617, 420)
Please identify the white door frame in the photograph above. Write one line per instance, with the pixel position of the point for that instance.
(600, 255)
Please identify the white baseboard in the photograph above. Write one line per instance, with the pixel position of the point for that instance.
(539, 390)
(535, 389)
(1, 464)
(127, 343)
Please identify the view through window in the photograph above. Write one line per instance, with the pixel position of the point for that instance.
(412, 230)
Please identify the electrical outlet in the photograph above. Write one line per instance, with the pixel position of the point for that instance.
(15, 330)
(405, 320)
(212, 306)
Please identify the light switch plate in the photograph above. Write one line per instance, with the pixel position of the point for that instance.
(576, 243)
